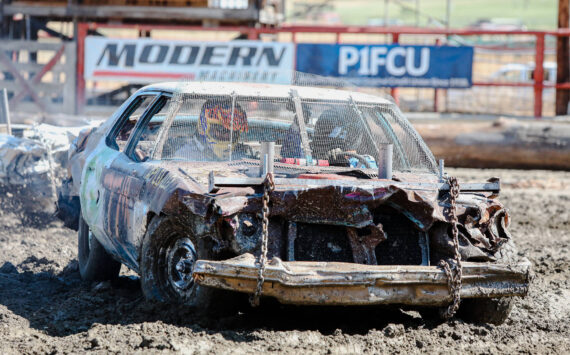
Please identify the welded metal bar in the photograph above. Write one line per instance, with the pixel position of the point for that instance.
(300, 120)
(364, 124)
(336, 29)
(291, 236)
(267, 157)
(385, 161)
(337, 283)
(232, 124)
(217, 182)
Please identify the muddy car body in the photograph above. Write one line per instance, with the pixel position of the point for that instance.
(342, 228)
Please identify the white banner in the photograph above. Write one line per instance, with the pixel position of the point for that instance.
(146, 60)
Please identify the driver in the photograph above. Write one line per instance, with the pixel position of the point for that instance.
(338, 139)
(217, 134)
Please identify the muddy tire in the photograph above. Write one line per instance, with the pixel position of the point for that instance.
(491, 310)
(95, 264)
(481, 310)
(169, 253)
(486, 310)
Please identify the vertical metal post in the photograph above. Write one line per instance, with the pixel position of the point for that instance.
(562, 59)
(5, 110)
(394, 91)
(538, 75)
(436, 91)
(385, 161)
(267, 158)
(253, 34)
(80, 34)
(232, 124)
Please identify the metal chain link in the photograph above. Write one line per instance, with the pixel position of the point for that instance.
(268, 187)
(453, 279)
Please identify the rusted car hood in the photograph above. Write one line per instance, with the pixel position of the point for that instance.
(313, 203)
(477, 212)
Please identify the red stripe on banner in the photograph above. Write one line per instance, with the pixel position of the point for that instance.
(142, 74)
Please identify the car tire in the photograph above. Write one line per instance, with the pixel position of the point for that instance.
(95, 264)
(486, 310)
(481, 310)
(169, 252)
(491, 310)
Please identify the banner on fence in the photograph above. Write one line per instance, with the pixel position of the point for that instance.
(389, 65)
(146, 60)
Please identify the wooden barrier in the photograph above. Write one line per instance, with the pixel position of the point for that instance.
(39, 76)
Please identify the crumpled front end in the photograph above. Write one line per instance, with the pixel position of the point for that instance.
(355, 241)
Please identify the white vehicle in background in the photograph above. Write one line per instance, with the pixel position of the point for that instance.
(523, 73)
(513, 100)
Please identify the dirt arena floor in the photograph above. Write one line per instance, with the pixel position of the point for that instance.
(45, 308)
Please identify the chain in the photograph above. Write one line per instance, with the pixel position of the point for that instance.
(268, 187)
(453, 280)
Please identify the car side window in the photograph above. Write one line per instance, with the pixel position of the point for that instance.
(145, 140)
(121, 133)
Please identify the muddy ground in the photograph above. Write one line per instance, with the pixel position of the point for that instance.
(45, 308)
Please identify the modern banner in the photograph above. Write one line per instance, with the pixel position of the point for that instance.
(146, 60)
(389, 65)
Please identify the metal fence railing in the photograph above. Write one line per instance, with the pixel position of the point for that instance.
(513, 71)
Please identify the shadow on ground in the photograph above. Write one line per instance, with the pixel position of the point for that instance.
(61, 304)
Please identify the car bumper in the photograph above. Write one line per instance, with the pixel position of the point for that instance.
(336, 283)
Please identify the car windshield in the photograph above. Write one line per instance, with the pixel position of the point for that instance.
(341, 133)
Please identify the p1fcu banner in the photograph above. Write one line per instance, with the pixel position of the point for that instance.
(389, 65)
(146, 60)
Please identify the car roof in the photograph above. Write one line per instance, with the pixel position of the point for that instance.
(262, 90)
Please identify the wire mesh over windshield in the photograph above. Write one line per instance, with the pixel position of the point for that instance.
(306, 131)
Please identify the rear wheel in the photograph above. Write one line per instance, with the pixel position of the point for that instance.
(95, 264)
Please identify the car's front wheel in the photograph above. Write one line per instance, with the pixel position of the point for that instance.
(169, 254)
(95, 264)
(491, 310)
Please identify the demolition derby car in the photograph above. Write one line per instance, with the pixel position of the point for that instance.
(312, 196)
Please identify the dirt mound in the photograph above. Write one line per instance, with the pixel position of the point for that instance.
(46, 308)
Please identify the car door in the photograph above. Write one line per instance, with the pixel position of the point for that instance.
(97, 184)
(124, 180)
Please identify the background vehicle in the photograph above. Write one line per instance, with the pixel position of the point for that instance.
(184, 201)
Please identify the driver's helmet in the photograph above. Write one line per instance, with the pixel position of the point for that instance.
(337, 129)
(218, 127)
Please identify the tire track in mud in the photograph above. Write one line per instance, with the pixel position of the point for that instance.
(46, 308)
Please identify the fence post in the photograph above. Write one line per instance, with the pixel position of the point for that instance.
(70, 85)
(5, 111)
(394, 91)
(436, 91)
(80, 66)
(538, 75)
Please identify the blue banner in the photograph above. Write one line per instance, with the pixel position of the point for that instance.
(389, 65)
